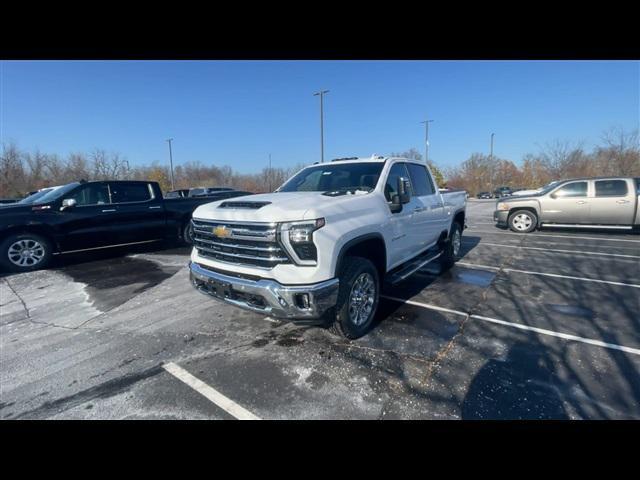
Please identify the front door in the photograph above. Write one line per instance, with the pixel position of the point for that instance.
(89, 224)
(403, 224)
(568, 204)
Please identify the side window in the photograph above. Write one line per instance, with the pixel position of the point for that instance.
(130, 192)
(611, 188)
(420, 180)
(391, 187)
(92, 194)
(575, 189)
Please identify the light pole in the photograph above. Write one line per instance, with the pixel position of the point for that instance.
(426, 125)
(171, 162)
(491, 166)
(269, 173)
(321, 94)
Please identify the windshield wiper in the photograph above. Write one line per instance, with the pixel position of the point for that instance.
(344, 191)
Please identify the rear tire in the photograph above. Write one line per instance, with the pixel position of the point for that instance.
(358, 297)
(452, 247)
(523, 221)
(25, 252)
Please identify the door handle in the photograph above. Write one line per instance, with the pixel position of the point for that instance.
(419, 209)
(109, 210)
(151, 208)
(581, 202)
(622, 201)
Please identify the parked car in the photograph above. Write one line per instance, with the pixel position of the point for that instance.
(502, 192)
(32, 197)
(603, 202)
(88, 216)
(177, 193)
(532, 192)
(484, 195)
(203, 191)
(318, 249)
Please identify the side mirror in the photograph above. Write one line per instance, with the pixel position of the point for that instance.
(68, 203)
(403, 190)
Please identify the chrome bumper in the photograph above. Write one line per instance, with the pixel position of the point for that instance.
(266, 296)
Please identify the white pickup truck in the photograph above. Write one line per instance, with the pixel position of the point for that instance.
(319, 248)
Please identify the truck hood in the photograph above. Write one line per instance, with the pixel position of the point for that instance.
(281, 207)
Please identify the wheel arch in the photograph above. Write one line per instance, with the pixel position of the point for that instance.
(370, 246)
(529, 209)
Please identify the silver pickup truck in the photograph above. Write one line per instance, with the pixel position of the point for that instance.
(603, 202)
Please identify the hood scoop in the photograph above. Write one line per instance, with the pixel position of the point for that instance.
(250, 205)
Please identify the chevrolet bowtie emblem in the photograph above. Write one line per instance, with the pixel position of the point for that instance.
(222, 231)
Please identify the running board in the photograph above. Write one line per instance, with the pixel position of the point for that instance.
(577, 225)
(411, 267)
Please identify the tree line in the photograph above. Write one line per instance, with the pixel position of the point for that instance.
(22, 172)
(618, 153)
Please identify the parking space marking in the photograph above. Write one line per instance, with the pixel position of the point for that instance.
(225, 403)
(556, 275)
(556, 250)
(542, 331)
(602, 239)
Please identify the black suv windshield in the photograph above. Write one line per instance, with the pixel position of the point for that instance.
(335, 177)
(57, 193)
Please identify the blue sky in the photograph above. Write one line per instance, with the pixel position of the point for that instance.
(237, 112)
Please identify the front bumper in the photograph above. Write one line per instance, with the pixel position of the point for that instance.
(501, 217)
(267, 296)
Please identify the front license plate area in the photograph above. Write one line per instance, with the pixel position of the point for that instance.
(219, 289)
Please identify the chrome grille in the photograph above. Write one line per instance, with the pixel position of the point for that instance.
(244, 243)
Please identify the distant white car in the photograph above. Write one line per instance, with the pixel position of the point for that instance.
(533, 192)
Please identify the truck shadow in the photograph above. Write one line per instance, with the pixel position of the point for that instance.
(61, 262)
(518, 387)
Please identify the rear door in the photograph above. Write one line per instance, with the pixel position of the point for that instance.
(613, 202)
(428, 215)
(568, 204)
(140, 213)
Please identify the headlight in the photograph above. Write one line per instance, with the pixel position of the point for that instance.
(302, 232)
(502, 206)
(297, 238)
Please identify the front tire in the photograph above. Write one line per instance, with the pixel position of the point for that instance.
(358, 298)
(25, 252)
(523, 221)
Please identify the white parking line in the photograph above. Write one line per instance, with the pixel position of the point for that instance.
(228, 405)
(602, 239)
(555, 275)
(574, 252)
(542, 331)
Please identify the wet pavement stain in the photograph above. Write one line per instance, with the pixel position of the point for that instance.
(572, 310)
(112, 282)
(479, 278)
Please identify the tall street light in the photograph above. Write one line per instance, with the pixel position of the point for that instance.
(491, 161)
(321, 95)
(171, 162)
(426, 124)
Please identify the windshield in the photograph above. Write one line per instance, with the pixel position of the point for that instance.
(34, 196)
(547, 187)
(57, 192)
(338, 177)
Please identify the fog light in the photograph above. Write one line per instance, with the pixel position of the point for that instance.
(302, 301)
